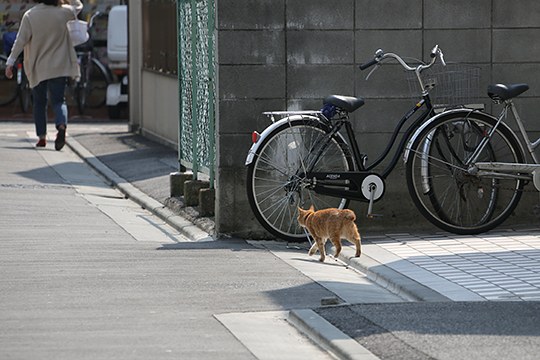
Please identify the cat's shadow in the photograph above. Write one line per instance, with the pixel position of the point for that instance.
(330, 260)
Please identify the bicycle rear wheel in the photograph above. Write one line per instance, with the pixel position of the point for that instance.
(276, 184)
(91, 89)
(96, 89)
(441, 186)
(8, 87)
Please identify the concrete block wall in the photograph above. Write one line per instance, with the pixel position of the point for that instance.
(290, 54)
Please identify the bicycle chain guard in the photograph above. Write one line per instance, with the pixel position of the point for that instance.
(373, 184)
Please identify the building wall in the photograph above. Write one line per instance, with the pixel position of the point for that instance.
(289, 54)
(154, 104)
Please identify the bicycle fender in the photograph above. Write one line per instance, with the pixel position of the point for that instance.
(463, 112)
(255, 146)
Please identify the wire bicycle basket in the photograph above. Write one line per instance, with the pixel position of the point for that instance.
(453, 85)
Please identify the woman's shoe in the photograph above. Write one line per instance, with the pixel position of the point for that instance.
(41, 142)
(60, 138)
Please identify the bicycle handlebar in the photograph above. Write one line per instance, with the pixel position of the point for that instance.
(381, 55)
(368, 64)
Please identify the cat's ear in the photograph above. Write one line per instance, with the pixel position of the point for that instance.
(300, 209)
(311, 208)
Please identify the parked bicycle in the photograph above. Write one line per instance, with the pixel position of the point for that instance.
(466, 169)
(303, 159)
(90, 90)
(15, 88)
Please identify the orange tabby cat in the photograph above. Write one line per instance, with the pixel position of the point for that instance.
(333, 224)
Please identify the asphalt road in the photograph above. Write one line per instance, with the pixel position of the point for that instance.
(448, 330)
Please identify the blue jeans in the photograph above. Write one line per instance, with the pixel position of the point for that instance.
(55, 87)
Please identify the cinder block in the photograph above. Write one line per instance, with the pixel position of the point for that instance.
(252, 81)
(234, 149)
(320, 14)
(252, 47)
(177, 180)
(245, 115)
(457, 14)
(191, 191)
(508, 45)
(474, 45)
(207, 202)
(260, 14)
(389, 14)
(402, 42)
(515, 14)
(318, 81)
(320, 47)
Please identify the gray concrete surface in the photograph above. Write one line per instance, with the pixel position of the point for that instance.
(88, 273)
(100, 277)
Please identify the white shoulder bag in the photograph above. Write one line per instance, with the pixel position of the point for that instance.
(78, 30)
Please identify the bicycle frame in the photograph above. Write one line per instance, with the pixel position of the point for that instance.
(352, 181)
(518, 171)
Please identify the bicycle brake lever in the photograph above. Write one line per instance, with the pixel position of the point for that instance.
(441, 56)
(372, 71)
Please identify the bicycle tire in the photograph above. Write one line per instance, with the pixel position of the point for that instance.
(8, 87)
(275, 184)
(80, 86)
(96, 91)
(440, 185)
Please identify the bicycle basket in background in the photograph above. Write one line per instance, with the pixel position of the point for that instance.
(452, 85)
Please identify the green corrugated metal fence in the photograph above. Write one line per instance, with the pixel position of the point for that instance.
(197, 87)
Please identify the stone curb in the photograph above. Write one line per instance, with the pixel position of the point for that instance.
(327, 335)
(184, 226)
(390, 279)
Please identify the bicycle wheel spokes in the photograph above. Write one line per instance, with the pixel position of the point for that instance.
(276, 178)
(444, 189)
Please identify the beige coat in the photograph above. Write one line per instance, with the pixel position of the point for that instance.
(48, 51)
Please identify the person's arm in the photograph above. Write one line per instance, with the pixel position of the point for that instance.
(74, 5)
(23, 37)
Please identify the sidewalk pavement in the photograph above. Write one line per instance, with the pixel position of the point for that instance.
(411, 269)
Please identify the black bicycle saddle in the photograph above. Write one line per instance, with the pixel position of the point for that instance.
(502, 92)
(347, 103)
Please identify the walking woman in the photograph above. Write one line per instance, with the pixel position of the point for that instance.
(49, 60)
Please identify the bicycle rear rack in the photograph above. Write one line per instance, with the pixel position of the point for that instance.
(281, 114)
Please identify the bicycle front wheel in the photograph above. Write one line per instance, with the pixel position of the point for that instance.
(8, 87)
(441, 185)
(276, 181)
